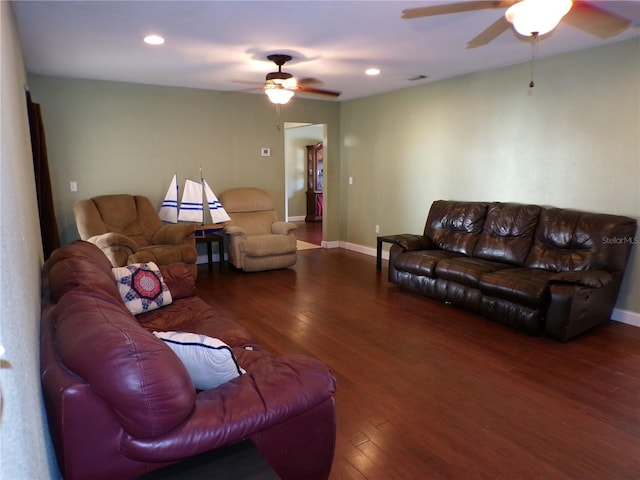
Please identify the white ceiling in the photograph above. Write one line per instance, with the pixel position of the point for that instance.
(217, 44)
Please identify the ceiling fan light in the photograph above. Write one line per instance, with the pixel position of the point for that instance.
(531, 17)
(278, 94)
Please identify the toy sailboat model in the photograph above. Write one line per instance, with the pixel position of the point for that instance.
(191, 208)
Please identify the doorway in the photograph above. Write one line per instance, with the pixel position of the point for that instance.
(297, 136)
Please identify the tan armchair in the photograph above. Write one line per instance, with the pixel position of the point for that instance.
(257, 240)
(128, 230)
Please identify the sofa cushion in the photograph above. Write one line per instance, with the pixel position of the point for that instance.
(422, 262)
(179, 279)
(526, 286)
(193, 314)
(209, 361)
(567, 240)
(142, 287)
(507, 233)
(465, 270)
(455, 226)
(81, 264)
(268, 244)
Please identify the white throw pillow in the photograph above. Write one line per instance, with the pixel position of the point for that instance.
(141, 287)
(209, 361)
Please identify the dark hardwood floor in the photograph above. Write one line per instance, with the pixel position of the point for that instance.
(310, 232)
(426, 391)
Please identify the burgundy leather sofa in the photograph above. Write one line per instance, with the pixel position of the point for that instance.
(546, 271)
(120, 403)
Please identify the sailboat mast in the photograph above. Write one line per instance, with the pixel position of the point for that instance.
(203, 202)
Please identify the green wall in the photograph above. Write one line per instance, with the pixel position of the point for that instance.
(572, 141)
(114, 137)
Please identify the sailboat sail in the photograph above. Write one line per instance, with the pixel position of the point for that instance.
(169, 210)
(191, 209)
(218, 213)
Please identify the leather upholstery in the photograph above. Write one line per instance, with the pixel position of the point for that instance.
(120, 403)
(455, 226)
(257, 240)
(543, 270)
(128, 230)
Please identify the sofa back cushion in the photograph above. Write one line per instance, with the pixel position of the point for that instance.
(141, 379)
(129, 215)
(508, 232)
(455, 226)
(75, 265)
(568, 240)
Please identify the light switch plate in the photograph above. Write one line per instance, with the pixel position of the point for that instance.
(265, 152)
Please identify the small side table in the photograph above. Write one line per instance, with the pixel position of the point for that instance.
(383, 238)
(209, 238)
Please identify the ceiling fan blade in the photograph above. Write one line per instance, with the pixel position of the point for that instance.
(317, 91)
(309, 81)
(494, 31)
(596, 21)
(248, 82)
(457, 7)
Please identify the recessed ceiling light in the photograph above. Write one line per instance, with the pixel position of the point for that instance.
(154, 40)
(372, 71)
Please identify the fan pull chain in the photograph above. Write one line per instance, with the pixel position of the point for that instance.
(534, 49)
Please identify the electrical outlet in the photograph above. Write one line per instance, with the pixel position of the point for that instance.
(73, 186)
(377, 228)
(350, 180)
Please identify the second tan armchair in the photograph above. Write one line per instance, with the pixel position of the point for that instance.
(257, 240)
(128, 230)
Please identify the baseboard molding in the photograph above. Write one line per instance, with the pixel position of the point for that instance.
(619, 315)
(626, 316)
(298, 218)
(334, 244)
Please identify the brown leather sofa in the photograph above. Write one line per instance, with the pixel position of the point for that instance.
(121, 403)
(546, 271)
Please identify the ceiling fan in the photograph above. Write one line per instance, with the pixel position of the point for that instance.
(280, 86)
(531, 18)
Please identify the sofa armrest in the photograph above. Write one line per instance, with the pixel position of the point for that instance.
(585, 278)
(174, 234)
(411, 242)
(274, 390)
(283, 228)
(111, 239)
(179, 280)
(234, 230)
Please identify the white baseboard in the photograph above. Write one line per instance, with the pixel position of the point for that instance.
(619, 315)
(298, 218)
(626, 316)
(334, 244)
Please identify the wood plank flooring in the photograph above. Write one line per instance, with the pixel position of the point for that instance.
(427, 391)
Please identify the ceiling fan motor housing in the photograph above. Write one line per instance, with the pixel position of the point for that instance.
(278, 76)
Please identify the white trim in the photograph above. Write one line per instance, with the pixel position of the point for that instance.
(626, 316)
(298, 218)
(334, 244)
